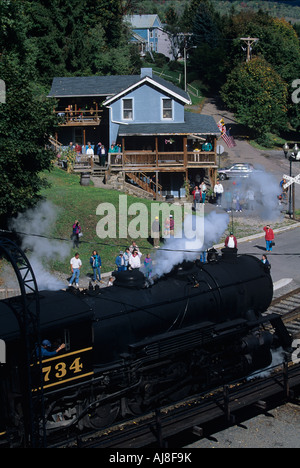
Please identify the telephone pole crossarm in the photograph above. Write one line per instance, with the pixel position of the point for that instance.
(249, 41)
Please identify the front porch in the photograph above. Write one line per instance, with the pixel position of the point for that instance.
(161, 161)
(160, 174)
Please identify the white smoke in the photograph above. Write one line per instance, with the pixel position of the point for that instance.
(197, 237)
(278, 358)
(34, 224)
(266, 190)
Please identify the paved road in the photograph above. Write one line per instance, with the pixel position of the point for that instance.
(285, 258)
(272, 161)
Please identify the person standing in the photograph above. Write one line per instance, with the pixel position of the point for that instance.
(75, 264)
(126, 256)
(172, 225)
(75, 234)
(90, 154)
(203, 189)
(197, 197)
(218, 190)
(269, 237)
(148, 265)
(98, 151)
(231, 241)
(120, 261)
(102, 156)
(155, 232)
(135, 260)
(228, 201)
(95, 261)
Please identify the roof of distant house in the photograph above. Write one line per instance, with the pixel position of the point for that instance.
(143, 21)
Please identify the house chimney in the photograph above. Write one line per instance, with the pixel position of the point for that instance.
(146, 72)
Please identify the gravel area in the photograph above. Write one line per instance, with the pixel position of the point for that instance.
(278, 428)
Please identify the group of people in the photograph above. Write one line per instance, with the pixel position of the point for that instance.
(92, 151)
(130, 259)
(231, 242)
(76, 264)
(234, 199)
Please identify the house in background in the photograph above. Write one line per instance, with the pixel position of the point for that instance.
(161, 144)
(149, 33)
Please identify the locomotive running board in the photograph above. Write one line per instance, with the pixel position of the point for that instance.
(162, 345)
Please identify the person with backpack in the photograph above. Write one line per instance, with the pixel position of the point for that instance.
(95, 261)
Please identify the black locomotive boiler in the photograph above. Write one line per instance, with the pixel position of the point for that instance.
(139, 345)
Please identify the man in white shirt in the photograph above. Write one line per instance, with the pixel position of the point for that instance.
(218, 189)
(75, 264)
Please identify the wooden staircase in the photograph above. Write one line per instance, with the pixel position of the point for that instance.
(144, 182)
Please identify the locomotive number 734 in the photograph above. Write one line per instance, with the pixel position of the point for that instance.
(62, 369)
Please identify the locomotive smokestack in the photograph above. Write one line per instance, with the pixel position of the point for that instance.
(229, 254)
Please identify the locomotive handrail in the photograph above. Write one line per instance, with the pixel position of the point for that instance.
(27, 313)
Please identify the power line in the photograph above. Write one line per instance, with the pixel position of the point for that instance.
(125, 245)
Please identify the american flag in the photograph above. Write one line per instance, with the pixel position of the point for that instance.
(229, 140)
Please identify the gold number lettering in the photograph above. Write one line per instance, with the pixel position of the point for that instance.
(46, 371)
(61, 368)
(76, 366)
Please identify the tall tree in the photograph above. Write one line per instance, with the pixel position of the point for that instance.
(26, 123)
(258, 96)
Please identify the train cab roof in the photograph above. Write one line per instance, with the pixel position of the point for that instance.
(57, 309)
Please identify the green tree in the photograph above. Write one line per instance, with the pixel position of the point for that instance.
(26, 123)
(258, 96)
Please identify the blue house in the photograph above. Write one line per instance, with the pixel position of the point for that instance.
(150, 35)
(160, 142)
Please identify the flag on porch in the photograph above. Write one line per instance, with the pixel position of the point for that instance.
(229, 140)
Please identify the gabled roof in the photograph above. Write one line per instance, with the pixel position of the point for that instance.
(81, 86)
(194, 124)
(111, 87)
(157, 82)
(143, 21)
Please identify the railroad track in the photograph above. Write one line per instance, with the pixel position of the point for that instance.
(190, 415)
(288, 307)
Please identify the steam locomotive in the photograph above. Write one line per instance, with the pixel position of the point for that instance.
(141, 344)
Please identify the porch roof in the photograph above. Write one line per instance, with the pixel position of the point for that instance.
(194, 124)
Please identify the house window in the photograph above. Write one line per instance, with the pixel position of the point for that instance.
(167, 109)
(127, 109)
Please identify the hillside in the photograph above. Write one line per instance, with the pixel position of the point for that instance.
(289, 9)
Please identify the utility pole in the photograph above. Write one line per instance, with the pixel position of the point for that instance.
(249, 41)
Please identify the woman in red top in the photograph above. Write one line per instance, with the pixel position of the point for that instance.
(269, 238)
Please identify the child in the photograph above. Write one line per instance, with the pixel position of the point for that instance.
(148, 265)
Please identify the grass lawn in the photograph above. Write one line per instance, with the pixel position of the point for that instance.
(75, 201)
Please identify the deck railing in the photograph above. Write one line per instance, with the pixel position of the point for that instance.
(79, 117)
(161, 159)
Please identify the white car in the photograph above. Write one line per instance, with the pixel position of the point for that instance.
(236, 170)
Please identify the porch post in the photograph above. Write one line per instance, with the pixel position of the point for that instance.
(156, 151)
(123, 151)
(185, 158)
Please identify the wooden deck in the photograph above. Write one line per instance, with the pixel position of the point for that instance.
(161, 161)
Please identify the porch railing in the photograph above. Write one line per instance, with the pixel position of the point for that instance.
(72, 117)
(161, 159)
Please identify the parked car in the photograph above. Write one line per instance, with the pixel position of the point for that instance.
(236, 170)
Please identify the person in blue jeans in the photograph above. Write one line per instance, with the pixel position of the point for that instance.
(76, 264)
(95, 261)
